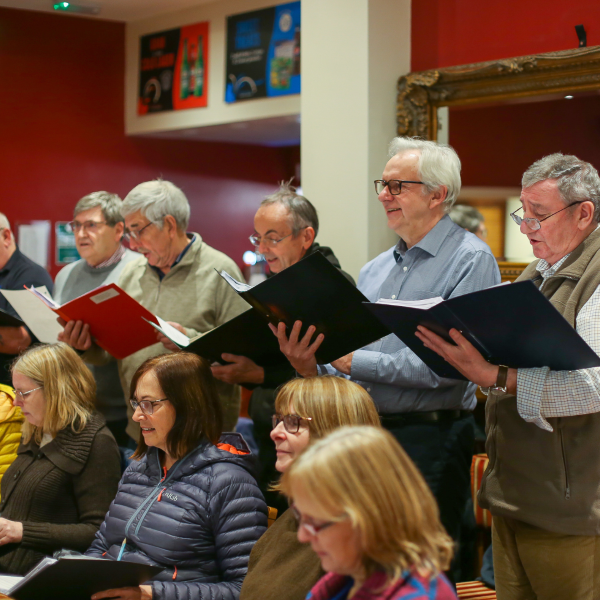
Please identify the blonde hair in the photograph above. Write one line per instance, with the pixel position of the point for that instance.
(362, 474)
(68, 385)
(329, 401)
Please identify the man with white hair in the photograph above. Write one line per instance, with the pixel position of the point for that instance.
(429, 415)
(176, 278)
(98, 227)
(542, 484)
(16, 270)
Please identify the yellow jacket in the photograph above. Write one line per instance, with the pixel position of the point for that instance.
(11, 418)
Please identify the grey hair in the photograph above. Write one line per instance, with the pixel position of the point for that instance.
(4, 224)
(110, 205)
(438, 165)
(575, 179)
(301, 211)
(467, 217)
(155, 200)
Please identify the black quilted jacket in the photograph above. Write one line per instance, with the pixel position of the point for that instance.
(199, 521)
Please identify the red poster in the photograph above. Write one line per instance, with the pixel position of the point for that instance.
(174, 69)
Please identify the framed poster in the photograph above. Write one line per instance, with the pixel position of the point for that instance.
(263, 53)
(66, 250)
(174, 69)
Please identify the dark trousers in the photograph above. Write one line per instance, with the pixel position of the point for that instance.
(442, 451)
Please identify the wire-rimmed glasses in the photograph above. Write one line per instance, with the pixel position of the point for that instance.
(535, 224)
(146, 406)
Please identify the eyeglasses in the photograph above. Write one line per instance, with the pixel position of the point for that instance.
(310, 528)
(92, 226)
(535, 224)
(291, 423)
(23, 394)
(146, 406)
(136, 235)
(393, 185)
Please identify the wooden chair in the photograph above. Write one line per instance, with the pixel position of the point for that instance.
(475, 590)
(271, 515)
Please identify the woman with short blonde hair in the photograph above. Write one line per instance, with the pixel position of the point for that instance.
(371, 518)
(306, 410)
(57, 491)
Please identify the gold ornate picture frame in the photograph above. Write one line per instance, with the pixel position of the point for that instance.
(421, 93)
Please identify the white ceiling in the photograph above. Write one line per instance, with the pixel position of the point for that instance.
(113, 10)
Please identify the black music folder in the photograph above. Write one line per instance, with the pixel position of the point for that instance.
(513, 325)
(315, 292)
(245, 335)
(78, 578)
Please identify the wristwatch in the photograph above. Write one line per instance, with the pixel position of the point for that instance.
(500, 386)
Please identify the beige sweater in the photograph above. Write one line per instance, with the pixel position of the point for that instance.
(192, 294)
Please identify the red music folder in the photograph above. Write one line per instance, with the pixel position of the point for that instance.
(116, 320)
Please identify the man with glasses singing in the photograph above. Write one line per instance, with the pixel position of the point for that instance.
(285, 227)
(16, 270)
(543, 482)
(429, 415)
(98, 227)
(175, 277)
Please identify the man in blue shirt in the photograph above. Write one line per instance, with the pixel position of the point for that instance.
(429, 415)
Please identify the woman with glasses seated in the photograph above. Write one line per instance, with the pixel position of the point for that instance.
(56, 492)
(189, 503)
(307, 409)
(368, 514)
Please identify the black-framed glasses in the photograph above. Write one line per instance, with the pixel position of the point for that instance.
(137, 234)
(311, 528)
(146, 406)
(291, 423)
(75, 226)
(535, 224)
(393, 185)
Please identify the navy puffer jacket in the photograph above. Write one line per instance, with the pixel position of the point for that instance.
(200, 521)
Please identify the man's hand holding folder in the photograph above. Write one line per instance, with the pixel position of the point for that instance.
(301, 353)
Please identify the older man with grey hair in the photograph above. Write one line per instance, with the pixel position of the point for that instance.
(542, 485)
(98, 227)
(175, 277)
(429, 415)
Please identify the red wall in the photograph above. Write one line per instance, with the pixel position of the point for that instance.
(62, 134)
(497, 143)
(456, 32)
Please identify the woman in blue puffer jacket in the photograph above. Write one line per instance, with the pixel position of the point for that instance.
(191, 503)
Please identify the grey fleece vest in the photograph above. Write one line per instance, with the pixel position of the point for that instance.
(548, 479)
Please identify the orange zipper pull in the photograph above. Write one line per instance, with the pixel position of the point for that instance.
(175, 573)
(160, 495)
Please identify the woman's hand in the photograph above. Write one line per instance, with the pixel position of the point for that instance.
(301, 354)
(11, 532)
(142, 592)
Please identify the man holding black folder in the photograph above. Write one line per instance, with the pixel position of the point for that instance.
(429, 415)
(16, 270)
(542, 484)
(285, 227)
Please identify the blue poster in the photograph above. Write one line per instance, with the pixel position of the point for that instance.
(263, 53)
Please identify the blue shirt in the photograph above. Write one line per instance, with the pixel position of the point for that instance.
(447, 262)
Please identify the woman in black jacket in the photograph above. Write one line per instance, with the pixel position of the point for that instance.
(191, 503)
(57, 491)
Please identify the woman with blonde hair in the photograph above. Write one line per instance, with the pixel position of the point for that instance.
(57, 491)
(368, 514)
(306, 410)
